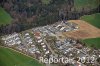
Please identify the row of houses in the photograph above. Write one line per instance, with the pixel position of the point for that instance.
(40, 41)
(12, 39)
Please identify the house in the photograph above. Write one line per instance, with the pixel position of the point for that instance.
(39, 41)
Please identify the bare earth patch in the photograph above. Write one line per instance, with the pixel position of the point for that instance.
(85, 30)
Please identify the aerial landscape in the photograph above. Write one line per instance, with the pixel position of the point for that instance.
(49, 32)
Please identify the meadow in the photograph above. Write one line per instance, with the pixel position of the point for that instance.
(9, 57)
(5, 18)
(93, 19)
(92, 42)
(86, 4)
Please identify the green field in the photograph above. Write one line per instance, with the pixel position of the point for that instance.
(5, 18)
(45, 1)
(9, 57)
(86, 3)
(93, 19)
(92, 42)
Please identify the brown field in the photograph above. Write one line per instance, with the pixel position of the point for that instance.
(85, 30)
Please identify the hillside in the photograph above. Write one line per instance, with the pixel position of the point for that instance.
(33, 13)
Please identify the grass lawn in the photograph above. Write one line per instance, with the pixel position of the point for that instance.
(45, 1)
(9, 57)
(93, 19)
(86, 3)
(5, 18)
(94, 42)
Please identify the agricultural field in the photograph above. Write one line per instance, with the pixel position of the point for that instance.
(5, 18)
(93, 19)
(85, 30)
(86, 4)
(9, 57)
(92, 42)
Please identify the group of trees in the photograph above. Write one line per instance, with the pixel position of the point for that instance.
(27, 14)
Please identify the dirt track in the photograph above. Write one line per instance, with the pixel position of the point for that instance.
(85, 30)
